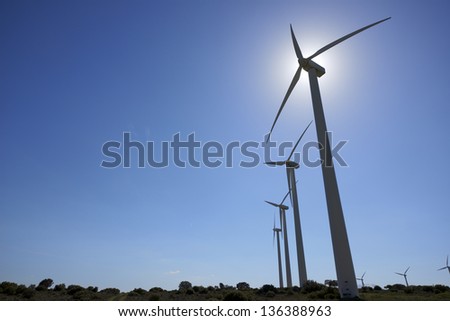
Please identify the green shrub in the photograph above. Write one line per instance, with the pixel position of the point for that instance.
(366, 289)
(44, 284)
(154, 297)
(184, 286)
(73, 288)
(428, 289)
(20, 289)
(139, 291)
(439, 288)
(395, 288)
(270, 294)
(28, 293)
(8, 288)
(59, 287)
(312, 286)
(327, 293)
(235, 296)
(85, 295)
(266, 288)
(110, 291)
(243, 286)
(156, 289)
(409, 290)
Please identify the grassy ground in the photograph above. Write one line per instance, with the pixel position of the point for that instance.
(312, 291)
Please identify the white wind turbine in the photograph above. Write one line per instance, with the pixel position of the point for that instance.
(446, 266)
(342, 256)
(290, 167)
(404, 275)
(362, 279)
(282, 209)
(280, 268)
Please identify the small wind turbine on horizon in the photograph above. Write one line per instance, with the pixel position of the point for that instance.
(345, 271)
(280, 268)
(282, 209)
(362, 279)
(446, 266)
(290, 167)
(404, 275)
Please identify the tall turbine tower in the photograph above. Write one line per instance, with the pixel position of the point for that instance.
(290, 167)
(280, 268)
(342, 256)
(282, 209)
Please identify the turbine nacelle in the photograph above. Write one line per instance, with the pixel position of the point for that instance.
(289, 164)
(308, 64)
(282, 206)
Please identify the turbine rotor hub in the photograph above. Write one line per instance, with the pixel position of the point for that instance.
(292, 164)
(308, 64)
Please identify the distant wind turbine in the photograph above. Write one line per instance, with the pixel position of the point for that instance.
(362, 279)
(280, 268)
(446, 266)
(404, 275)
(345, 271)
(290, 167)
(282, 209)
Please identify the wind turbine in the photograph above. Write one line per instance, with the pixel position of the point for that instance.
(404, 275)
(280, 269)
(290, 167)
(446, 266)
(362, 279)
(283, 208)
(342, 256)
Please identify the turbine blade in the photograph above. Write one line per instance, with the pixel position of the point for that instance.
(298, 141)
(279, 163)
(273, 239)
(281, 220)
(442, 268)
(271, 203)
(407, 270)
(289, 183)
(363, 275)
(399, 273)
(288, 93)
(334, 43)
(290, 189)
(447, 261)
(285, 196)
(298, 52)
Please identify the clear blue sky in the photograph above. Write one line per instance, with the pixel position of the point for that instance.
(75, 74)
